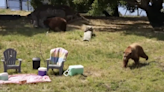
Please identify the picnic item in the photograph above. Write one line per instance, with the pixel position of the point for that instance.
(73, 70)
(87, 35)
(57, 58)
(4, 76)
(42, 71)
(36, 62)
(25, 79)
(88, 31)
(9, 60)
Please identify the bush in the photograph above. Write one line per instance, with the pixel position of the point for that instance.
(36, 3)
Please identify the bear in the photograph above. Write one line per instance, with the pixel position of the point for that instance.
(56, 24)
(134, 52)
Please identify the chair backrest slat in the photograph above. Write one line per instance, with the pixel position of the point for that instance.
(57, 55)
(10, 56)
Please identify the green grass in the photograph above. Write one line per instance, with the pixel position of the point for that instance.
(101, 58)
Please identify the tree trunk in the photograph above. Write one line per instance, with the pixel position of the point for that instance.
(153, 11)
(115, 11)
(7, 5)
(156, 18)
(106, 13)
(154, 14)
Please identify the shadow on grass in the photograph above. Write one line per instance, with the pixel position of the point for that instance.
(10, 25)
(128, 25)
(55, 72)
(134, 66)
(18, 26)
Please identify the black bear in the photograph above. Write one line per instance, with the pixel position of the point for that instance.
(56, 24)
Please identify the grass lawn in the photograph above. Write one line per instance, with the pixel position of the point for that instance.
(101, 56)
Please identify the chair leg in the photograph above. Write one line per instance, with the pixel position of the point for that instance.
(4, 67)
(5, 70)
(19, 70)
(47, 69)
(60, 71)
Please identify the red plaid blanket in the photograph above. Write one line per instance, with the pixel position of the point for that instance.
(25, 78)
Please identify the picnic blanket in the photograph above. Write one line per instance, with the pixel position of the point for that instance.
(58, 55)
(30, 78)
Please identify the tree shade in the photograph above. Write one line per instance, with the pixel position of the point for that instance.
(96, 7)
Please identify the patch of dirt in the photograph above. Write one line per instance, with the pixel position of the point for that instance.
(113, 23)
(109, 24)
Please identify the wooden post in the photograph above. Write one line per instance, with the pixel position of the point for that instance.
(28, 3)
(20, 4)
(7, 6)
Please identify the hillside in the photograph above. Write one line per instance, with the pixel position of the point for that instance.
(101, 56)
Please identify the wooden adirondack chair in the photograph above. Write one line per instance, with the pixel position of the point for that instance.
(10, 59)
(60, 54)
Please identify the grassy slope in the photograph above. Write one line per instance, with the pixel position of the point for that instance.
(101, 58)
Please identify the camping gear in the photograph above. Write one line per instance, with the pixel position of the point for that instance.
(88, 31)
(57, 58)
(42, 71)
(73, 70)
(36, 62)
(10, 60)
(87, 35)
(25, 78)
(4, 76)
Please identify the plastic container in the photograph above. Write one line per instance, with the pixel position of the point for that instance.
(36, 62)
(87, 36)
(4, 76)
(42, 71)
(74, 70)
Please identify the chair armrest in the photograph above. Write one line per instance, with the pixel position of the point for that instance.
(4, 63)
(61, 64)
(2, 60)
(48, 59)
(20, 60)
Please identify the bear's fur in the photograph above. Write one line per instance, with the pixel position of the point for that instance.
(56, 23)
(134, 52)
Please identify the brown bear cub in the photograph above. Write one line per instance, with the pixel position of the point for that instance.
(134, 52)
(56, 24)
